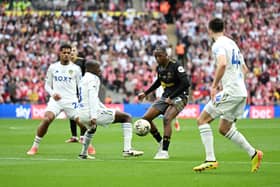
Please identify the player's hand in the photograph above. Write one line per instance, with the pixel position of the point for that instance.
(141, 96)
(56, 97)
(168, 101)
(213, 93)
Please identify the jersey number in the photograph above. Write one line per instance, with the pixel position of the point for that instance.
(235, 59)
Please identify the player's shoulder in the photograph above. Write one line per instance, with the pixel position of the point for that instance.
(173, 62)
(75, 66)
(54, 64)
(91, 77)
(176, 66)
(217, 44)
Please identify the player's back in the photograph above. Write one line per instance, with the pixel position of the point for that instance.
(88, 90)
(233, 78)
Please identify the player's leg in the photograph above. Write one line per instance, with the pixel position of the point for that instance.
(72, 113)
(169, 115)
(207, 138)
(155, 110)
(125, 119)
(73, 128)
(82, 133)
(41, 131)
(87, 142)
(230, 131)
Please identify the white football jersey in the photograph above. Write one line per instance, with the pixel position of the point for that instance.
(63, 80)
(88, 91)
(233, 78)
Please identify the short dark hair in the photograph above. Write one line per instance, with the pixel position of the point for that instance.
(65, 45)
(216, 25)
(92, 63)
(160, 49)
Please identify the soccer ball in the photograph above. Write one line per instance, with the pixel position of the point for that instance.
(142, 127)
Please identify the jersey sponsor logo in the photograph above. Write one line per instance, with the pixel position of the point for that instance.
(164, 85)
(62, 78)
(181, 69)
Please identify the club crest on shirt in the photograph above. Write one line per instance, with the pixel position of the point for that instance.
(70, 72)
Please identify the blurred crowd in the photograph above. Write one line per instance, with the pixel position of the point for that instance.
(254, 25)
(124, 45)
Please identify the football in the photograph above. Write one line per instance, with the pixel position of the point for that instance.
(142, 127)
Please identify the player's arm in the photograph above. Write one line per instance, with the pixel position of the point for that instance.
(245, 69)
(49, 82)
(154, 86)
(220, 70)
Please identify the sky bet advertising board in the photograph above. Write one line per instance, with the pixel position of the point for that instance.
(28, 111)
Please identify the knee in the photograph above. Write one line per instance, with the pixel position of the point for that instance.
(127, 118)
(47, 120)
(223, 130)
(148, 119)
(200, 121)
(167, 120)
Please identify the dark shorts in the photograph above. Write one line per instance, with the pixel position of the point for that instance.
(179, 103)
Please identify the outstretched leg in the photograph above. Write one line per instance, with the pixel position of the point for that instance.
(230, 131)
(86, 143)
(41, 131)
(125, 119)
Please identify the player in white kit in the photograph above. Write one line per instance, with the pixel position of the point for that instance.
(92, 112)
(61, 83)
(229, 103)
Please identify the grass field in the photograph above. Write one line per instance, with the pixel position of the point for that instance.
(57, 165)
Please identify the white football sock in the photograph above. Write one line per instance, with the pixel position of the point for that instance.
(208, 141)
(234, 135)
(86, 142)
(127, 136)
(37, 141)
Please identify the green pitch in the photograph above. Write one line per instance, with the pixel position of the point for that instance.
(57, 165)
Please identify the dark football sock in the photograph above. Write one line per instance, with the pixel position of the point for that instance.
(73, 128)
(165, 143)
(157, 136)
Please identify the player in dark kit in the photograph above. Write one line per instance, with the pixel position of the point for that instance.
(172, 77)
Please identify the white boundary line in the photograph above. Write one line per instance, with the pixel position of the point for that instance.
(125, 159)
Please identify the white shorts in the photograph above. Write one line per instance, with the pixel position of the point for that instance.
(66, 105)
(104, 117)
(226, 107)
